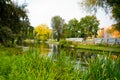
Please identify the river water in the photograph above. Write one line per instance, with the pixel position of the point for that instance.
(79, 54)
(52, 49)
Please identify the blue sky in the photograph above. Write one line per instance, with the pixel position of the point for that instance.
(41, 11)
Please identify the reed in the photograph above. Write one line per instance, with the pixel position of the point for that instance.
(103, 68)
(32, 66)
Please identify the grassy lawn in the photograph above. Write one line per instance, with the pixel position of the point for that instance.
(99, 47)
(95, 47)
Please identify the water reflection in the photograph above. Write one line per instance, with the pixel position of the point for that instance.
(54, 50)
(44, 48)
(81, 56)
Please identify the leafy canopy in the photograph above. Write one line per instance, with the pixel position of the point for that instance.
(43, 32)
(73, 27)
(108, 5)
(89, 26)
(57, 24)
(86, 27)
(13, 17)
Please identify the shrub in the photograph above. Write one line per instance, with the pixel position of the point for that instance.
(64, 43)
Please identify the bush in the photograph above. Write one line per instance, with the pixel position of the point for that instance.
(6, 36)
(64, 43)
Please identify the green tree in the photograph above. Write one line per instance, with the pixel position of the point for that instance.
(72, 28)
(88, 26)
(109, 6)
(57, 24)
(30, 32)
(15, 18)
(6, 35)
(66, 31)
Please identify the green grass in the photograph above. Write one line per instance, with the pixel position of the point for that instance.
(95, 47)
(32, 66)
(103, 68)
(99, 48)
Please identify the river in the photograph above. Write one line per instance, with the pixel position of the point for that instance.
(84, 56)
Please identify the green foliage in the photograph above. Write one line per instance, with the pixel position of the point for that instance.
(73, 28)
(103, 68)
(64, 43)
(109, 6)
(100, 47)
(6, 35)
(88, 26)
(33, 66)
(5, 51)
(58, 25)
(14, 17)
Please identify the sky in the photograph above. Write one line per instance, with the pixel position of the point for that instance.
(42, 11)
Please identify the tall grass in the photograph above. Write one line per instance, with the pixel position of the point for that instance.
(33, 66)
(103, 68)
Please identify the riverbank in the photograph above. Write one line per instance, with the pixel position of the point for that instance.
(10, 50)
(94, 47)
(99, 48)
(87, 46)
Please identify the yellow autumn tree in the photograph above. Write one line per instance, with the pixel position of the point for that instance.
(43, 32)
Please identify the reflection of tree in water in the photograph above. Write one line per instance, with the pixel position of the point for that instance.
(79, 55)
(74, 54)
(85, 55)
(54, 51)
(43, 48)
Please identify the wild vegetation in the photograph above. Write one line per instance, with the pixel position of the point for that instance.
(32, 66)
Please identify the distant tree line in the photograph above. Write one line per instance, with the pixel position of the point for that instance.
(14, 23)
(86, 27)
